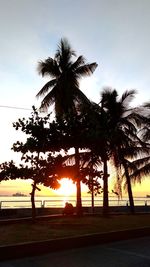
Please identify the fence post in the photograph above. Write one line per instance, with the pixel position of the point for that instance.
(43, 204)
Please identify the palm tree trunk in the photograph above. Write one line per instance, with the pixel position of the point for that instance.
(33, 202)
(105, 189)
(92, 195)
(131, 201)
(78, 184)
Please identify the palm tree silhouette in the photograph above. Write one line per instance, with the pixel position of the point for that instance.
(140, 167)
(63, 90)
(122, 131)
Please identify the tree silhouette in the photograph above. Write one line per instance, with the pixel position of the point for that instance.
(63, 88)
(64, 91)
(124, 123)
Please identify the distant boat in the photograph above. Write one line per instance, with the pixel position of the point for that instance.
(147, 195)
(19, 194)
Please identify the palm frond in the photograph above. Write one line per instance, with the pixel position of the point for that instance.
(146, 133)
(79, 62)
(127, 97)
(108, 95)
(86, 70)
(137, 118)
(48, 67)
(64, 53)
(46, 87)
(64, 48)
(48, 100)
(140, 162)
(80, 97)
(147, 105)
(141, 173)
(87, 160)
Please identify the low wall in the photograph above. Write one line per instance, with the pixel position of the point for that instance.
(26, 212)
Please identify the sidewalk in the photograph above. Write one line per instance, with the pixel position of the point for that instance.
(129, 253)
(47, 246)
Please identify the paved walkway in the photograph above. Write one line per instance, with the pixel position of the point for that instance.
(129, 253)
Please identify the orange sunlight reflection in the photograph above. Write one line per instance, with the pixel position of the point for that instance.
(67, 188)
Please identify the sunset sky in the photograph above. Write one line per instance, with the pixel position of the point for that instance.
(114, 33)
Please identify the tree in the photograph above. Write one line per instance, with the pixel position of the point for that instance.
(123, 123)
(39, 170)
(89, 172)
(139, 168)
(99, 134)
(63, 90)
(43, 136)
(46, 136)
(145, 131)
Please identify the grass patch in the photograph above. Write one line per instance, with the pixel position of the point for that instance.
(68, 226)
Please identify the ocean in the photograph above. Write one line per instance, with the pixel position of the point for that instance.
(59, 201)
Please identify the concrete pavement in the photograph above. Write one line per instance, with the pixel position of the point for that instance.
(129, 253)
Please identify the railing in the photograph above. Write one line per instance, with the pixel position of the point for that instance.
(5, 204)
(21, 204)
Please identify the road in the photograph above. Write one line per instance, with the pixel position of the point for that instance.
(129, 253)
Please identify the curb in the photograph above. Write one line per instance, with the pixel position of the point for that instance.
(29, 219)
(47, 246)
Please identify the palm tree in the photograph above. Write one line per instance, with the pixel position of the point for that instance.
(98, 135)
(140, 166)
(140, 169)
(63, 87)
(122, 131)
(63, 91)
(146, 122)
(132, 161)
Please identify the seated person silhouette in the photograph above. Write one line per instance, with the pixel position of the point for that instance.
(68, 209)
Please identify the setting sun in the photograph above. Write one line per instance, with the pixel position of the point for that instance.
(67, 188)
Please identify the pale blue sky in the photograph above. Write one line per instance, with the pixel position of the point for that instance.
(114, 33)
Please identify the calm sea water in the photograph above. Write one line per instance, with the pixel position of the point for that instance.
(59, 201)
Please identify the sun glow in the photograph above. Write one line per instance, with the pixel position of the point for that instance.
(67, 188)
